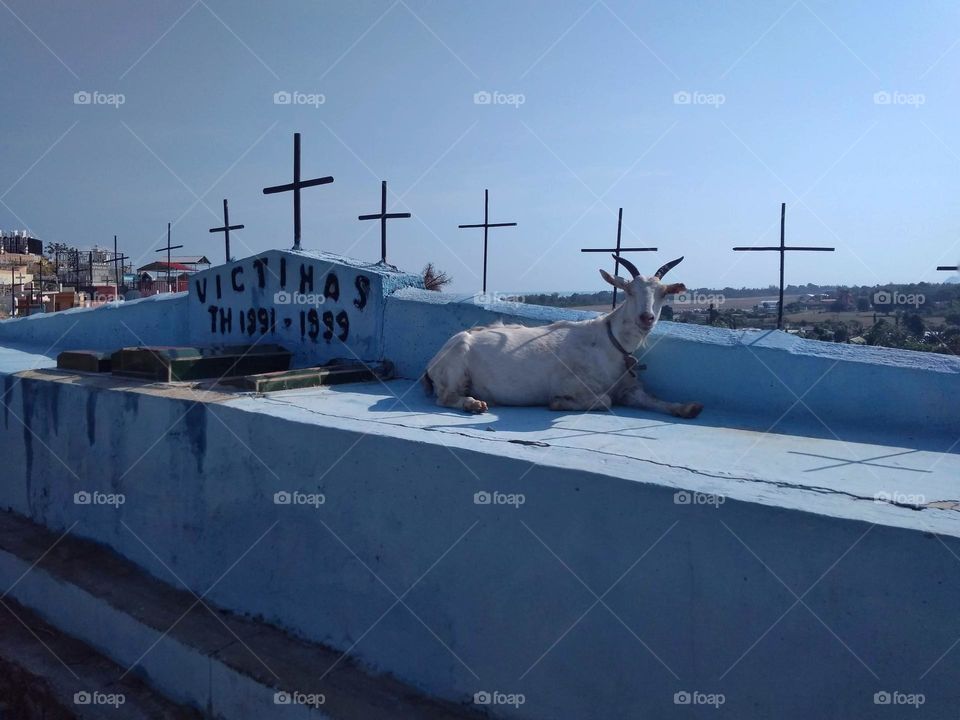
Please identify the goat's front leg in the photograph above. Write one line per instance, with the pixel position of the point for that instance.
(461, 402)
(636, 397)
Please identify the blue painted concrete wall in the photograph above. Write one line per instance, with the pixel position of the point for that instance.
(200, 499)
(765, 376)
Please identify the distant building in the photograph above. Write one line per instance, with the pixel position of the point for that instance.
(767, 306)
(20, 242)
(194, 262)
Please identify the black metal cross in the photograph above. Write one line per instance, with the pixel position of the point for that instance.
(13, 290)
(616, 252)
(953, 268)
(486, 225)
(168, 248)
(383, 216)
(782, 249)
(227, 227)
(118, 258)
(295, 186)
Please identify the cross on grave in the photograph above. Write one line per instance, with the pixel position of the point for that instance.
(227, 227)
(168, 248)
(383, 216)
(295, 186)
(117, 258)
(486, 225)
(782, 249)
(616, 253)
(13, 289)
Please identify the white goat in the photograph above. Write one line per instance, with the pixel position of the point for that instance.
(568, 365)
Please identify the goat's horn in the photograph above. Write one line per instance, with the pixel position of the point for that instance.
(627, 264)
(668, 267)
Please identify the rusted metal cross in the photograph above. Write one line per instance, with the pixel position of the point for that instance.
(168, 248)
(227, 227)
(782, 249)
(616, 252)
(383, 216)
(295, 187)
(486, 225)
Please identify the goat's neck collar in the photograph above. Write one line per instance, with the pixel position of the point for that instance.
(628, 359)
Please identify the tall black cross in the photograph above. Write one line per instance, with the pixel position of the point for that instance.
(118, 258)
(616, 253)
(168, 248)
(383, 216)
(227, 227)
(486, 225)
(953, 268)
(782, 249)
(295, 186)
(13, 290)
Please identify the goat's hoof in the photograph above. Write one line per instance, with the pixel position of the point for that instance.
(690, 410)
(475, 406)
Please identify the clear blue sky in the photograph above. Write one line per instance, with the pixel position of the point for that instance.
(599, 128)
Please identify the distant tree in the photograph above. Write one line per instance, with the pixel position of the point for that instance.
(914, 325)
(863, 304)
(666, 313)
(434, 279)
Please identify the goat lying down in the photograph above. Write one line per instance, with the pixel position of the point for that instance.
(567, 365)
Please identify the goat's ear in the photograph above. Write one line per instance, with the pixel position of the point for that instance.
(674, 289)
(617, 282)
